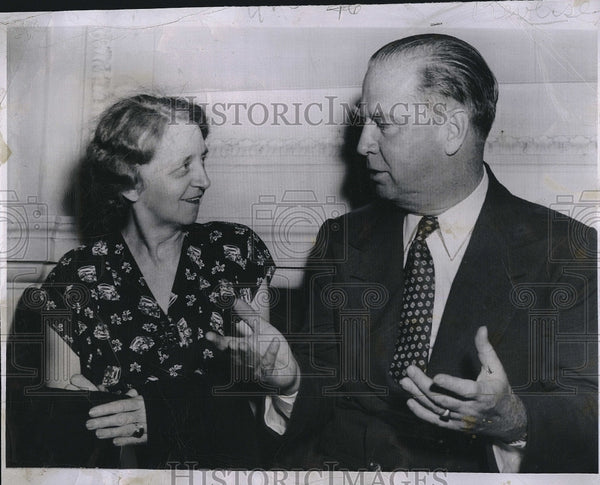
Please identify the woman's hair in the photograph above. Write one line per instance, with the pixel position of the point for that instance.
(126, 137)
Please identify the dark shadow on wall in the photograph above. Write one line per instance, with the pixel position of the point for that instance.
(70, 198)
(79, 203)
(356, 186)
(75, 205)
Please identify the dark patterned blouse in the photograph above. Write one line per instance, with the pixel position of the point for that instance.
(122, 336)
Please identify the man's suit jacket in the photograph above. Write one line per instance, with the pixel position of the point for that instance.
(528, 273)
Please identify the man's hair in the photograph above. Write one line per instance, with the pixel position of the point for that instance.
(126, 137)
(451, 68)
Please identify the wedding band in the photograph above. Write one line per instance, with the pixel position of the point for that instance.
(139, 431)
(445, 416)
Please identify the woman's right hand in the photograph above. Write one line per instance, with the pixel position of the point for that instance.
(123, 421)
(117, 420)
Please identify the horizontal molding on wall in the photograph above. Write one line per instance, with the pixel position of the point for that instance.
(275, 147)
(314, 148)
(543, 145)
(565, 162)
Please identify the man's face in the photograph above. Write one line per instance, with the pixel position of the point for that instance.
(405, 151)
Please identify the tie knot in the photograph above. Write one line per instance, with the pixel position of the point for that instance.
(427, 225)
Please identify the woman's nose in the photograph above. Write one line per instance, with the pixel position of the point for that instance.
(200, 177)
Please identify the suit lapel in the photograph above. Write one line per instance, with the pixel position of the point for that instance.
(377, 256)
(495, 260)
(479, 296)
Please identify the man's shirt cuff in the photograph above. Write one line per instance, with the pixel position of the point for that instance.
(508, 457)
(278, 410)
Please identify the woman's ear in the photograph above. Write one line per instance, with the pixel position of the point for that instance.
(457, 127)
(132, 195)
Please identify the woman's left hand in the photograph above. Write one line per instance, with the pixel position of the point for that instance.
(123, 421)
(261, 349)
(79, 383)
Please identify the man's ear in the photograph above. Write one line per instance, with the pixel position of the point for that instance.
(457, 127)
(132, 195)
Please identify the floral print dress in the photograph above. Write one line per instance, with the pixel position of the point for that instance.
(122, 336)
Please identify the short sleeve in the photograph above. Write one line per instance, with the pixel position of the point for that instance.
(241, 259)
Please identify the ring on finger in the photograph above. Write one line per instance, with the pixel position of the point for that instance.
(139, 431)
(445, 416)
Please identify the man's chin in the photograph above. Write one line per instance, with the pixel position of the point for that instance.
(384, 191)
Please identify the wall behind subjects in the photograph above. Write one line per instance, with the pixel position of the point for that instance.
(281, 180)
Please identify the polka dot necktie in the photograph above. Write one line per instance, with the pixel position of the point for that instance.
(412, 346)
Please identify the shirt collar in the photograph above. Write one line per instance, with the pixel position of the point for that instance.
(456, 223)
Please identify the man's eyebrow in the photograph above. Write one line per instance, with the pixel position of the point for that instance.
(362, 110)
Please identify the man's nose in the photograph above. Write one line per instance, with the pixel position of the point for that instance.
(368, 142)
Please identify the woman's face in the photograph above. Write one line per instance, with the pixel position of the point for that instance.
(174, 181)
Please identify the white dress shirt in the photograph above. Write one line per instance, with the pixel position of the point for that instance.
(447, 246)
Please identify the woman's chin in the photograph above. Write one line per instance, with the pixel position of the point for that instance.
(188, 211)
(191, 219)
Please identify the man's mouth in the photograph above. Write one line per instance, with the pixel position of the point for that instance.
(375, 173)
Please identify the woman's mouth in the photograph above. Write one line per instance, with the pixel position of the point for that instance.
(193, 200)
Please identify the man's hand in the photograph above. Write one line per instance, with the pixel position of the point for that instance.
(123, 421)
(486, 406)
(261, 349)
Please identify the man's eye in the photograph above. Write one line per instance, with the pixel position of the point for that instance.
(381, 125)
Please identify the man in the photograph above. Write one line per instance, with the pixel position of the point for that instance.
(451, 325)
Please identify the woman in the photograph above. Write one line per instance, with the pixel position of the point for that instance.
(149, 289)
